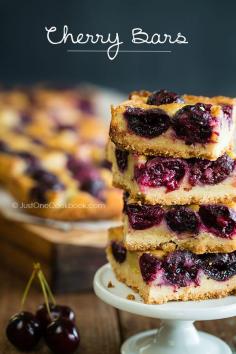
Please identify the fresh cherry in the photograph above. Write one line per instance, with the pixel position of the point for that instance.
(24, 331)
(62, 336)
(163, 97)
(56, 311)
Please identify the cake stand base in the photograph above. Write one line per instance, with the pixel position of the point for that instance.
(173, 338)
(177, 334)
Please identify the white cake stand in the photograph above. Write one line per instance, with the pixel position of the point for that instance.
(177, 334)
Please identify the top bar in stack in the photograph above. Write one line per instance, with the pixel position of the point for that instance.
(164, 123)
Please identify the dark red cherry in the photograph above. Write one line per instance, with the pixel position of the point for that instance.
(121, 159)
(25, 118)
(88, 177)
(219, 266)
(24, 331)
(38, 194)
(181, 268)
(62, 336)
(161, 171)
(82, 170)
(60, 127)
(47, 179)
(118, 251)
(182, 219)
(149, 265)
(4, 147)
(142, 217)
(219, 219)
(94, 187)
(163, 97)
(227, 109)
(148, 123)
(106, 164)
(56, 311)
(210, 172)
(194, 123)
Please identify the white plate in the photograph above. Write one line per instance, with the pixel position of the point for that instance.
(177, 334)
(188, 310)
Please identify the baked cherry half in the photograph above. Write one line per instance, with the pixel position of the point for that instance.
(194, 123)
(227, 109)
(210, 172)
(148, 123)
(118, 251)
(121, 159)
(182, 219)
(4, 147)
(142, 217)
(149, 266)
(161, 171)
(219, 266)
(88, 177)
(163, 97)
(181, 268)
(218, 219)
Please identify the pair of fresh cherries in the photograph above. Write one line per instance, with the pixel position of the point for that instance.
(55, 323)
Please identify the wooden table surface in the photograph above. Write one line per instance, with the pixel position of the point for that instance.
(102, 327)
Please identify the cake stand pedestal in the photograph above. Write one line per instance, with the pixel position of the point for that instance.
(177, 334)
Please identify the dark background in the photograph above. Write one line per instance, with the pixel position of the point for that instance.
(205, 66)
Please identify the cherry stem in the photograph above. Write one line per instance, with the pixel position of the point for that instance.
(28, 285)
(48, 288)
(41, 281)
(47, 293)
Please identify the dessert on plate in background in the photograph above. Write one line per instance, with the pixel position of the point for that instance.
(52, 154)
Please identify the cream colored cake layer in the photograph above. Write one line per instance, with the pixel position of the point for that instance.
(222, 192)
(167, 144)
(157, 236)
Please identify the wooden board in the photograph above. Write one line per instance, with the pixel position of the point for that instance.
(68, 258)
(103, 329)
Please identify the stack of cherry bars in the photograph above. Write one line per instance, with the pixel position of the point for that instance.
(173, 157)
